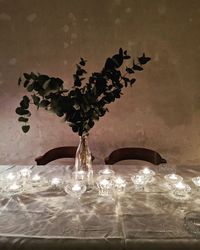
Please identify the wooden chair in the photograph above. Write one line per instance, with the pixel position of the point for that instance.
(143, 154)
(56, 153)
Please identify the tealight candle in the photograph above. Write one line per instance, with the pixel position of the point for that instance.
(11, 176)
(36, 178)
(75, 189)
(55, 182)
(120, 184)
(25, 173)
(104, 183)
(180, 186)
(196, 181)
(173, 178)
(14, 187)
(148, 173)
(181, 189)
(107, 172)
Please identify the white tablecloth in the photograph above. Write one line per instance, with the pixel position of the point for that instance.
(47, 219)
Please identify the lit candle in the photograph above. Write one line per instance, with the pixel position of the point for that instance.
(25, 172)
(138, 179)
(180, 185)
(14, 187)
(55, 182)
(36, 178)
(11, 176)
(173, 178)
(181, 189)
(146, 171)
(76, 187)
(106, 172)
(104, 183)
(196, 181)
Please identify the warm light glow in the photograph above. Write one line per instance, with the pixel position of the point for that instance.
(25, 172)
(119, 180)
(55, 181)
(173, 177)
(146, 171)
(104, 183)
(196, 181)
(180, 185)
(106, 172)
(139, 179)
(76, 187)
(36, 177)
(11, 176)
(14, 187)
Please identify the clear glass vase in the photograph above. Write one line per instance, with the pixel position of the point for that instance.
(83, 160)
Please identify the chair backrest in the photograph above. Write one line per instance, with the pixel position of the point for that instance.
(143, 154)
(56, 153)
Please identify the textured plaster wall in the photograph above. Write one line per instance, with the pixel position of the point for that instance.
(162, 110)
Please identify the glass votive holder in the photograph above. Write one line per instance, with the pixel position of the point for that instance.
(139, 181)
(173, 178)
(105, 185)
(24, 173)
(196, 181)
(14, 188)
(181, 189)
(56, 183)
(37, 180)
(11, 177)
(75, 189)
(147, 173)
(107, 173)
(119, 184)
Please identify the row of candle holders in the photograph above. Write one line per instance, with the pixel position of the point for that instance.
(107, 182)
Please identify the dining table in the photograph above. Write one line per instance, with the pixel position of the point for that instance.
(44, 217)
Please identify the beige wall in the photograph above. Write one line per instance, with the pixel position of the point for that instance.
(162, 110)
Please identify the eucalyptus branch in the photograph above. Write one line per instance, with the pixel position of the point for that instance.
(85, 102)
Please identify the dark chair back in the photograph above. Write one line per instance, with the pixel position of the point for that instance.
(56, 153)
(143, 154)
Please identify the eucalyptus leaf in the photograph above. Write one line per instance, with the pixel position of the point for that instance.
(30, 87)
(25, 128)
(36, 99)
(22, 119)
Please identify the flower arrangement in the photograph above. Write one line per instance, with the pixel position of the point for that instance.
(87, 100)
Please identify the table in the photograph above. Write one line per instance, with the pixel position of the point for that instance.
(44, 219)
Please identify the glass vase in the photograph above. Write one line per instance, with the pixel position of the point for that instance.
(83, 160)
